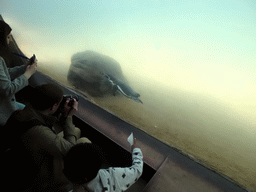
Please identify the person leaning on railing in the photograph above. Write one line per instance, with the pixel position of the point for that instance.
(11, 79)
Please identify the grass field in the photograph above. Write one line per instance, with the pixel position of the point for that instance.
(197, 125)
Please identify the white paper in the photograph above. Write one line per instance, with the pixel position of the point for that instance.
(130, 139)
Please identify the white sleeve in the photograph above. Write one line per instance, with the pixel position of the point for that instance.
(125, 177)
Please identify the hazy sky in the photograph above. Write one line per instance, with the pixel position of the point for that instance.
(200, 46)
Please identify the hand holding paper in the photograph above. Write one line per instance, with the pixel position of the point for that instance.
(130, 139)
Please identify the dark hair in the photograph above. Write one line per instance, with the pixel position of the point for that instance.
(46, 96)
(5, 51)
(5, 30)
(82, 163)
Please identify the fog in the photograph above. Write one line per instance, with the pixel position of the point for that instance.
(193, 63)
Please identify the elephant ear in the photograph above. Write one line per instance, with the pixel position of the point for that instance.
(86, 70)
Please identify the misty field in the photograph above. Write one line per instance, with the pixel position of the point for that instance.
(200, 126)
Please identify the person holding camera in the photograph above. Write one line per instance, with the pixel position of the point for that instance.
(42, 139)
(11, 79)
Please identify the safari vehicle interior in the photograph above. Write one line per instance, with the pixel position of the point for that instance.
(165, 167)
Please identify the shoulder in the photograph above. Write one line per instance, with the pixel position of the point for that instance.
(40, 131)
(2, 62)
(97, 183)
(39, 135)
(104, 172)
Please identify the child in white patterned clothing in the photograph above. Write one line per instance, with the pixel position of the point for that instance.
(82, 167)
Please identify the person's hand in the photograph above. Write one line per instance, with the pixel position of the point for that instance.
(30, 70)
(32, 60)
(70, 107)
(134, 144)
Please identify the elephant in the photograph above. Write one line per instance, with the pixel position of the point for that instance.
(99, 75)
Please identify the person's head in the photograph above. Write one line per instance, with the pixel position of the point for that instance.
(5, 31)
(47, 97)
(82, 163)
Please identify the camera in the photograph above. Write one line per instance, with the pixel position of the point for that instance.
(72, 99)
(61, 108)
(32, 59)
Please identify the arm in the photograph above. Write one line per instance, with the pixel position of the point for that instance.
(17, 71)
(27, 69)
(8, 87)
(125, 177)
(71, 133)
(65, 122)
(45, 139)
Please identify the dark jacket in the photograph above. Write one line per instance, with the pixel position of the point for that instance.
(37, 153)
